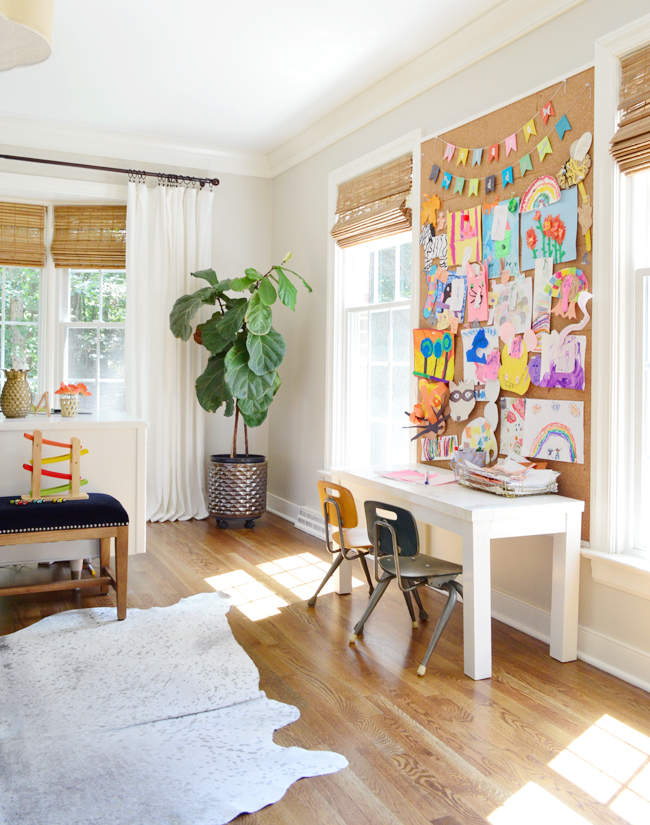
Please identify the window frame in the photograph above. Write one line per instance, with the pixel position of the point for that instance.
(40, 379)
(336, 335)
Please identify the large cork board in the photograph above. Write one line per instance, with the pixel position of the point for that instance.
(575, 99)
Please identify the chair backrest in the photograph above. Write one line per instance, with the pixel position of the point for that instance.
(345, 501)
(402, 522)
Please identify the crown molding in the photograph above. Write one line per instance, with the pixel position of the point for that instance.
(507, 22)
(134, 149)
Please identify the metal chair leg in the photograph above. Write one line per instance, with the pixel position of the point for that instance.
(364, 565)
(378, 593)
(409, 604)
(442, 623)
(423, 613)
(335, 564)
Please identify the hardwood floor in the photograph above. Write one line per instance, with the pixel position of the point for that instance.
(440, 749)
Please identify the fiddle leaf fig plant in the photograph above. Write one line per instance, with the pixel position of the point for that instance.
(245, 350)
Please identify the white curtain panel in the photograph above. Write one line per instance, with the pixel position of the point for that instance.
(169, 235)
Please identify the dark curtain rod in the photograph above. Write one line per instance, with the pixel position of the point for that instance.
(132, 173)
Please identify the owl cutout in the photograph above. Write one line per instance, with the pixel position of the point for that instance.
(461, 399)
(513, 372)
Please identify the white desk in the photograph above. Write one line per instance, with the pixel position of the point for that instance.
(478, 518)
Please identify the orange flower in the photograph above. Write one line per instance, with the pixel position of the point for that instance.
(72, 389)
(559, 229)
(537, 215)
(531, 238)
(83, 389)
(547, 226)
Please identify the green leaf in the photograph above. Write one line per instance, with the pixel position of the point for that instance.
(223, 286)
(308, 288)
(252, 416)
(277, 383)
(266, 351)
(185, 308)
(286, 290)
(267, 292)
(259, 317)
(221, 330)
(230, 407)
(240, 284)
(208, 275)
(254, 274)
(211, 388)
(242, 381)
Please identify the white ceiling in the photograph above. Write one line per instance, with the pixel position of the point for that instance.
(245, 76)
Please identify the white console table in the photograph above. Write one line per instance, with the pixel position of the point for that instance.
(115, 464)
(478, 518)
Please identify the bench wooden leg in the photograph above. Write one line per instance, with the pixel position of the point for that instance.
(121, 569)
(104, 560)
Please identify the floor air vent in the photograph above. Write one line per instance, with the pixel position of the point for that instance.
(310, 522)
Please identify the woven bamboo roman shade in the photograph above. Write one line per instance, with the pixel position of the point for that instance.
(631, 143)
(22, 234)
(89, 237)
(374, 204)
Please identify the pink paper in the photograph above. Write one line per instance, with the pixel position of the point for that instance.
(477, 294)
(407, 475)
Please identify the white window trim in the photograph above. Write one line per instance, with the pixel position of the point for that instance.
(336, 317)
(613, 353)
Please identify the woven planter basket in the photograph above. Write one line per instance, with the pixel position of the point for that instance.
(237, 487)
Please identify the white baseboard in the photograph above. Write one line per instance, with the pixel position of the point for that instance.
(281, 507)
(621, 660)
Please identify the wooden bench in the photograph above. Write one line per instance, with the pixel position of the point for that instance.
(97, 517)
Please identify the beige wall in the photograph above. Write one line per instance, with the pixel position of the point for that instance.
(521, 568)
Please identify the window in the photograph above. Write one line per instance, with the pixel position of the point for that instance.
(376, 278)
(93, 330)
(19, 320)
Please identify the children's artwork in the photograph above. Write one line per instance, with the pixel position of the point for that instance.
(513, 373)
(479, 349)
(429, 209)
(561, 364)
(433, 354)
(477, 293)
(464, 232)
(567, 283)
(542, 192)
(513, 304)
(435, 246)
(513, 414)
(478, 435)
(583, 300)
(502, 255)
(554, 431)
(441, 448)
(550, 231)
(576, 168)
(461, 399)
(491, 413)
(542, 296)
(449, 295)
(428, 415)
(432, 285)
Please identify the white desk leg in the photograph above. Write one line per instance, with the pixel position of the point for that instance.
(477, 606)
(566, 587)
(342, 578)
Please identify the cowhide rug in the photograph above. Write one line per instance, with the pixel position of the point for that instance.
(157, 720)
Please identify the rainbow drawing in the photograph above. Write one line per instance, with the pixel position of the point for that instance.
(542, 192)
(549, 431)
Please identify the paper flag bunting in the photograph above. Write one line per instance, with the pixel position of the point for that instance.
(449, 151)
(547, 111)
(490, 183)
(446, 180)
(473, 186)
(511, 144)
(477, 157)
(507, 176)
(562, 127)
(435, 172)
(458, 187)
(544, 148)
(462, 157)
(530, 129)
(494, 152)
(525, 165)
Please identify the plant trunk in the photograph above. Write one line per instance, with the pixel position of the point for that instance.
(233, 452)
(246, 438)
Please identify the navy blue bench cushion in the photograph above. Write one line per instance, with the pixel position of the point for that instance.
(98, 510)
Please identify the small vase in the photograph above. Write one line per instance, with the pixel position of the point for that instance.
(69, 405)
(16, 398)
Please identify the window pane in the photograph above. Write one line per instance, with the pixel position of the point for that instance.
(21, 296)
(386, 275)
(371, 278)
(21, 350)
(84, 296)
(379, 392)
(86, 403)
(400, 443)
(111, 353)
(401, 334)
(400, 393)
(112, 396)
(379, 335)
(114, 297)
(82, 355)
(379, 442)
(405, 270)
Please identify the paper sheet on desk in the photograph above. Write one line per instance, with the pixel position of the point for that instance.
(417, 477)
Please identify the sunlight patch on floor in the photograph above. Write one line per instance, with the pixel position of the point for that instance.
(251, 597)
(301, 574)
(533, 805)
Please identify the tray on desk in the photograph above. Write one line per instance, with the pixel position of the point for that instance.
(508, 487)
